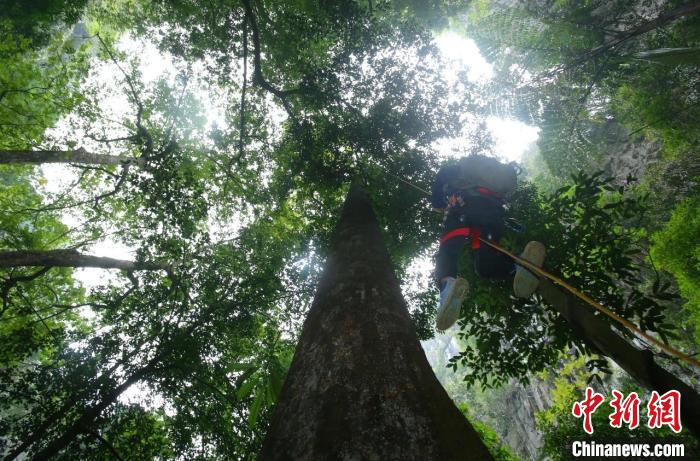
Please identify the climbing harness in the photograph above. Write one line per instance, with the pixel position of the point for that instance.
(582, 296)
(474, 233)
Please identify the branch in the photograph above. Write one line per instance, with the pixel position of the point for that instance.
(87, 418)
(111, 140)
(245, 82)
(647, 26)
(79, 156)
(72, 258)
(39, 433)
(54, 205)
(102, 440)
(258, 77)
(11, 282)
(141, 131)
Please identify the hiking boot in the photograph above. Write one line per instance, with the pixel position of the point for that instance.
(451, 297)
(525, 282)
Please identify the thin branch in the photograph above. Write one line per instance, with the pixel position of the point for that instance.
(54, 207)
(11, 282)
(258, 78)
(141, 131)
(42, 320)
(243, 90)
(96, 168)
(103, 441)
(172, 115)
(111, 140)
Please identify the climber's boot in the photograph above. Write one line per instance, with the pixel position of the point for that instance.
(451, 296)
(525, 282)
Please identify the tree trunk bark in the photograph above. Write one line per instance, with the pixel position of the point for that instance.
(70, 156)
(71, 258)
(640, 364)
(359, 386)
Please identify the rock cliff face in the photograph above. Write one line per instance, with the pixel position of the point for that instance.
(509, 410)
(623, 152)
(521, 403)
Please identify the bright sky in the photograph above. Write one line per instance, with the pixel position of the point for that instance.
(511, 136)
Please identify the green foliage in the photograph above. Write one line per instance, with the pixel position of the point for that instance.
(498, 450)
(582, 68)
(36, 88)
(130, 432)
(38, 20)
(676, 249)
(241, 219)
(30, 322)
(240, 212)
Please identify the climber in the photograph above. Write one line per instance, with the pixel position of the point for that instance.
(471, 194)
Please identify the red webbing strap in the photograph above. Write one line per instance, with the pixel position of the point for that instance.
(462, 231)
(485, 191)
(474, 233)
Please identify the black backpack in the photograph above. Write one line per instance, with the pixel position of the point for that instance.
(479, 171)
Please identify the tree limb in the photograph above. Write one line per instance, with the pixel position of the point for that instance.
(11, 282)
(245, 82)
(141, 131)
(80, 156)
(71, 258)
(104, 442)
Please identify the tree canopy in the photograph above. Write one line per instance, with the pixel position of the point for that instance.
(171, 172)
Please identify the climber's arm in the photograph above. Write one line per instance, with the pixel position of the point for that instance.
(439, 194)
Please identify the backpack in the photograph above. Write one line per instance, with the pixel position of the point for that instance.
(480, 171)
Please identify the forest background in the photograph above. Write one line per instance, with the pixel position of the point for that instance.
(171, 173)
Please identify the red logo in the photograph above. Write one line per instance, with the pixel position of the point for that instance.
(626, 411)
(665, 409)
(587, 407)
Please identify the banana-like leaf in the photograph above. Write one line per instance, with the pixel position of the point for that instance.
(255, 407)
(671, 56)
(245, 388)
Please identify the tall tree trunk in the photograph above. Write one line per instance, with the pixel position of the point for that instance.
(640, 364)
(69, 156)
(359, 386)
(71, 258)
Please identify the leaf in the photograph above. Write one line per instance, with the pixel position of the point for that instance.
(275, 383)
(238, 366)
(255, 408)
(245, 388)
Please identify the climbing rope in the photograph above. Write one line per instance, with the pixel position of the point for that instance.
(582, 296)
